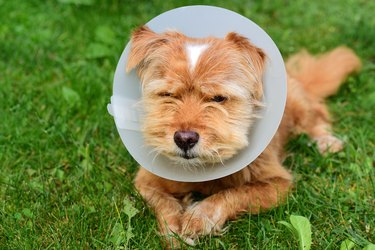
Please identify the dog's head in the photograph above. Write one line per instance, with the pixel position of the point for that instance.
(199, 95)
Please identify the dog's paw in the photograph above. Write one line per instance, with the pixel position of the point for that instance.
(202, 218)
(169, 231)
(328, 144)
(172, 238)
(173, 241)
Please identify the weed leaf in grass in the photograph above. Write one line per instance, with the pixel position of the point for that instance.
(98, 50)
(130, 211)
(369, 247)
(102, 47)
(27, 212)
(71, 96)
(104, 34)
(129, 208)
(119, 235)
(347, 244)
(303, 227)
(18, 216)
(300, 227)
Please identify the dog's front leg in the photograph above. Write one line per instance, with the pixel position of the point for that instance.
(168, 209)
(209, 215)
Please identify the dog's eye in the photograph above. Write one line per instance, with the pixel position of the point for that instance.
(219, 98)
(165, 94)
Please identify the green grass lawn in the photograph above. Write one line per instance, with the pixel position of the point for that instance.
(66, 178)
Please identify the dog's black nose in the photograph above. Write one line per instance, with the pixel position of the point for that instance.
(186, 139)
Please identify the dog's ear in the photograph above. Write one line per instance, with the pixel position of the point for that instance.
(144, 42)
(254, 55)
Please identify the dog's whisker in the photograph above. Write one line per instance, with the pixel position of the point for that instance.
(156, 156)
(218, 156)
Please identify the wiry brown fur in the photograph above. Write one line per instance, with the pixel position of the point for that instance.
(178, 97)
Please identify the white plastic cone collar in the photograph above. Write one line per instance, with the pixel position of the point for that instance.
(199, 22)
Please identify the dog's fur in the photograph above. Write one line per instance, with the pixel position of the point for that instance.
(214, 86)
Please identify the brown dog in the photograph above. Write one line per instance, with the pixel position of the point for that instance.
(200, 98)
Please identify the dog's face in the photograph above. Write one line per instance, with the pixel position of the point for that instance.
(199, 95)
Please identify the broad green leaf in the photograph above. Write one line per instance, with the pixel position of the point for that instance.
(29, 224)
(86, 165)
(118, 234)
(130, 211)
(129, 208)
(30, 171)
(18, 216)
(71, 96)
(60, 174)
(36, 185)
(129, 234)
(303, 227)
(91, 209)
(347, 245)
(369, 247)
(98, 50)
(105, 35)
(28, 213)
(107, 186)
(290, 227)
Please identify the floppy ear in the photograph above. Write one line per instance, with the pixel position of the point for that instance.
(143, 43)
(254, 56)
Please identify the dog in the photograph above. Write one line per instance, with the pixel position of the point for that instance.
(201, 98)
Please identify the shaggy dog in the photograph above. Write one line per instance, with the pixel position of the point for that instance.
(200, 98)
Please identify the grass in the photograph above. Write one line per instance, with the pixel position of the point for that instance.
(65, 177)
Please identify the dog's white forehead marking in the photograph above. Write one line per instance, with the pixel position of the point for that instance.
(193, 52)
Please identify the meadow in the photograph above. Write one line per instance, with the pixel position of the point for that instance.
(65, 176)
